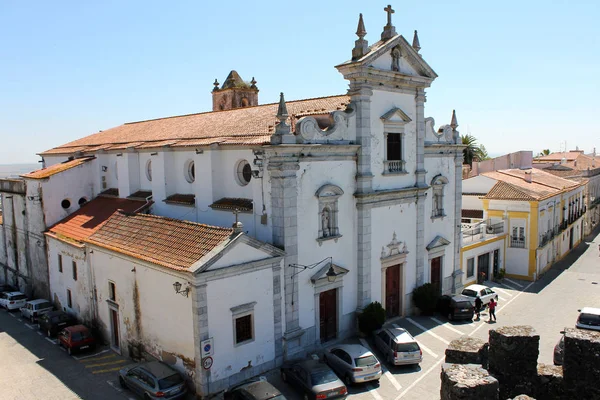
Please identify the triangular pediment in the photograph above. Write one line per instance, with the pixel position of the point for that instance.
(396, 115)
(322, 272)
(437, 242)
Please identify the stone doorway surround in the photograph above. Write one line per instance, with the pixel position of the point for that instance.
(322, 284)
(394, 255)
(437, 249)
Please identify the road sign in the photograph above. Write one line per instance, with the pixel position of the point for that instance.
(207, 362)
(208, 348)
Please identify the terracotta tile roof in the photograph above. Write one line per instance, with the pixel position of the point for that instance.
(574, 160)
(56, 168)
(164, 241)
(110, 192)
(569, 155)
(542, 184)
(140, 194)
(472, 213)
(505, 191)
(89, 218)
(249, 125)
(160, 143)
(178, 198)
(230, 204)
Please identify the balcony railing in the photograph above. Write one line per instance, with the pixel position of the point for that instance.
(518, 242)
(393, 166)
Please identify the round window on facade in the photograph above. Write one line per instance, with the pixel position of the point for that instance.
(149, 170)
(190, 171)
(82, 201)
(66, 203)
(243, 172)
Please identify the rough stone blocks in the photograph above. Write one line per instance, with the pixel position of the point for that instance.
(581, 364)
(549, 384)
(467, 350)
(467, 381)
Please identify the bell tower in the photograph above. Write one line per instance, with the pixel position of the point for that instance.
(234, 93)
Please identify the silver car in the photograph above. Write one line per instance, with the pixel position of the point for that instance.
(314, 380)
(398, 346)
(353, 363)
(153, 380)
(589, 318)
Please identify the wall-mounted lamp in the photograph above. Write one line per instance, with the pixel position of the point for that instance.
(255, 173)
(153, 154)
(119, 154)
(104, 168)
(331, 274)
(185, 292)
(199, 151)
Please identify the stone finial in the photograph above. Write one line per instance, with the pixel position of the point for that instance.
(216, 83)
(415, 44)
(237, 225)
(283, 132)
(253, 83)
(389, 31)
(361, 46)
(454, 122)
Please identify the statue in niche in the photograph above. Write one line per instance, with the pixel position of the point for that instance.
(396, 59)
(325, 222)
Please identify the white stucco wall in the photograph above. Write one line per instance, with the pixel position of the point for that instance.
(474, 251)
(234, 291)
(478, 184)
(164, 327)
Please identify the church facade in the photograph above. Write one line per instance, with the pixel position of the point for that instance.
(360, 193)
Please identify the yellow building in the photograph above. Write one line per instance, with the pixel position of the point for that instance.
(530, 220)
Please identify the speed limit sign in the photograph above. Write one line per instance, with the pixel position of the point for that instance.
(207, 362)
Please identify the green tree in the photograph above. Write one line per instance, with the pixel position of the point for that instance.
(544, 152)
(473, 151)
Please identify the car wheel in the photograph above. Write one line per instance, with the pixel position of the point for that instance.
(347, 380)
(147, 396)
(389, 360)
(283, 376)
(122, 382)
(49, 333)
(450, 317)
(69, 350)
(305, 396)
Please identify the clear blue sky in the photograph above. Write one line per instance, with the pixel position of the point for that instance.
(520, 74)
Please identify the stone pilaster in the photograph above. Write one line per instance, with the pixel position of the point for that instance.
(420, 128)
(361, 98)
(200, 322)
(421, 251)
(457, 272)
(284, 194)
(277, 317)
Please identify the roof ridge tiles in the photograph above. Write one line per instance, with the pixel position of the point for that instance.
(174, 220)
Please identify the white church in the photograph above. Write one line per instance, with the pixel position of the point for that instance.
(262, 229)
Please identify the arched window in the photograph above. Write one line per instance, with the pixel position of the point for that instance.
(437, 199)
(328, 196)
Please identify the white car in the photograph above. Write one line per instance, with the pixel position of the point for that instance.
(13, 300)
(484, 292)
(589, 318)
(34, 309)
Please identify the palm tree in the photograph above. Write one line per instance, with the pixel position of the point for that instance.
(472, 151)
(544, 152)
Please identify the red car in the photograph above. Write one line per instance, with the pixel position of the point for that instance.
(76, 338)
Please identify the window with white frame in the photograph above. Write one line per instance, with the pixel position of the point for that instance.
(328, 196)
(470, 267)
(437, 199)
(243, 323)
(394, 141)
(517, 239)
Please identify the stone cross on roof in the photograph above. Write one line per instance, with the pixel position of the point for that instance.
(388, 31)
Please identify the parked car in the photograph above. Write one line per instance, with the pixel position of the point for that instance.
(559, 350)
(76, 338)
(353, 363)
(484, 292)
(398, 346)
(55, 321)
(13, 300)
(36, 308)
(254, 389)
(152, 380)
(314, 379)
(589, 318)
(456, 307)
(7, 288)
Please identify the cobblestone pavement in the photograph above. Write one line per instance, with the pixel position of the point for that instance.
(549, 305)
(34, 367)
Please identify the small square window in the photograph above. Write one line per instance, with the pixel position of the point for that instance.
(59, 263)
(74, 271)
(112, 291)
(243, 329)
(69, 300)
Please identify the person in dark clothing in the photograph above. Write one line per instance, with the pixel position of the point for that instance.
(492, 306)
(478, 304)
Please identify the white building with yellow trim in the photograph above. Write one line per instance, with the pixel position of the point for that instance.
(531, 219)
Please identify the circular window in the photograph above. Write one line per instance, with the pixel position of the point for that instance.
(243, 172)
(66, 203)
(149, 170)
(190, 171)
(82, 201)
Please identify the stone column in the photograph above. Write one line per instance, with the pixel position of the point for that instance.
(420, 128)
(284, 195)
(200, 321)
(457, 272)
(467, 381)
(467, 350)
(421, 251)
(277, 317)
(361, 98)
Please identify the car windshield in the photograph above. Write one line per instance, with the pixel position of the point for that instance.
(469, 292)
(321, 377)
(170, 381)
(18, 297)
(589, 319)
(365, 361)
(406, 347)
(77, 336)
(463, 304)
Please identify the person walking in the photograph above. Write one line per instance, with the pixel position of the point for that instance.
(478, 304)
(492, 306)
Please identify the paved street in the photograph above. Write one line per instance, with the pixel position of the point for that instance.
(549, 305)
(34, 367)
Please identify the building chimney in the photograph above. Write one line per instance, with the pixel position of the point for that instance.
(234, 93)
(528, 176)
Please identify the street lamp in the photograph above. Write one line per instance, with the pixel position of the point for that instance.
(185, 292)
(331, 274)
